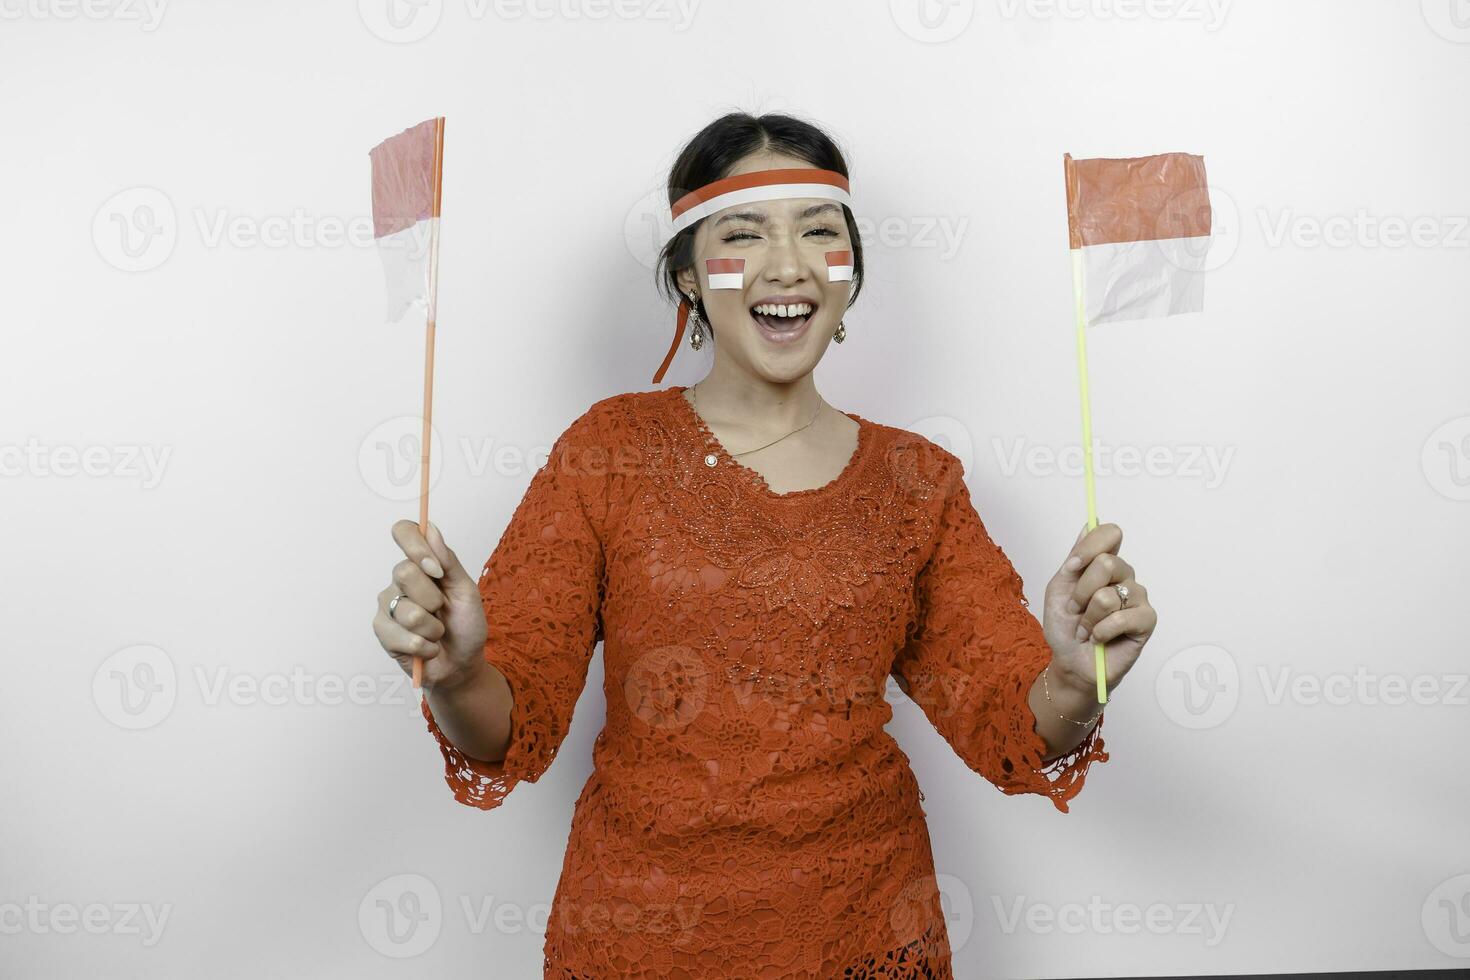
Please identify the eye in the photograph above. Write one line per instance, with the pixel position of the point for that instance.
(823, 230)
(739, 236)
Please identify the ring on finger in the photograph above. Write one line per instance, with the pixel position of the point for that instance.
(393, 604)
(1122, 591)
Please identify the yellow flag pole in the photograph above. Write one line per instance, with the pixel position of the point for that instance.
(1100, 663)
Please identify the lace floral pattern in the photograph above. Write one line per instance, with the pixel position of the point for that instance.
(748, 815)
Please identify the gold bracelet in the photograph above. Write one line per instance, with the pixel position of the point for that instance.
(1046, 689)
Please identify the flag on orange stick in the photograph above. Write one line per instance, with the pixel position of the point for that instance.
(1139, 230)
(408, 184)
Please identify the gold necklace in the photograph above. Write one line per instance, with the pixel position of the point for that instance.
(821, 403)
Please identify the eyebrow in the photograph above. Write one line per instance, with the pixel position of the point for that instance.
(758, 217)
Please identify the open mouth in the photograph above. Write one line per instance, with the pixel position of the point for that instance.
(783, 320)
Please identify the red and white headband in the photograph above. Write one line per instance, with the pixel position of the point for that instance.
(762, 185)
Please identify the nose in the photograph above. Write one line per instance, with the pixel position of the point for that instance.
(784, 261)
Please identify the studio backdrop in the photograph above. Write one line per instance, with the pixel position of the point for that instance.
(207, 428)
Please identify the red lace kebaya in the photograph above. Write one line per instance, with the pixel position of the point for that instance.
(748, 815)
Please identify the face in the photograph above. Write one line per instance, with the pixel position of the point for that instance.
(784, 246)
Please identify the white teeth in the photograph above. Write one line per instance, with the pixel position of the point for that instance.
(784, 309)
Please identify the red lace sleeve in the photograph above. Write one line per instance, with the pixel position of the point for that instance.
(972, 653)
(542, 592)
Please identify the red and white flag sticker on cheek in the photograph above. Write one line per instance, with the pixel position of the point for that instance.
(839, 266)
(725, 273)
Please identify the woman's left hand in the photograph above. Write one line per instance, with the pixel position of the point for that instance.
(1083, 607)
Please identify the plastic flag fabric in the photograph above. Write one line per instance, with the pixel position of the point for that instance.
(406, 171)
(1142, 227)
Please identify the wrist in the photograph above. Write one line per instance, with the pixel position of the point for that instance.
(1072, 697)
(462, 677)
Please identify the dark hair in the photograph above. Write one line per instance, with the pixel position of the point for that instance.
(715, 150)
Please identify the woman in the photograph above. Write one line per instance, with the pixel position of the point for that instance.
(759, 564)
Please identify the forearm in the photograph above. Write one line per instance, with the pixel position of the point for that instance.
(1074, 698)
(474, 712)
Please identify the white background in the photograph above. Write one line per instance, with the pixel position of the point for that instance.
(1287, 789)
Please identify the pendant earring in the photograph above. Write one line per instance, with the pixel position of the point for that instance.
(696, 325)
(841, 333)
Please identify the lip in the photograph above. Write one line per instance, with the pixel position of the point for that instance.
(781, 337)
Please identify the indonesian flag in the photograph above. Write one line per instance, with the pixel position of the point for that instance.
(1142, 228)
(839, 266)
(725, 273)
(407, 177)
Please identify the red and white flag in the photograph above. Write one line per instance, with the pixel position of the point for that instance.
(839, 266)
(1142, 228)
(725, 273)
(407, 177)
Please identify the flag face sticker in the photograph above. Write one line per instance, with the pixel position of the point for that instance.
(725, 273)
(1142, 227)
(406, 180)
(839, 266)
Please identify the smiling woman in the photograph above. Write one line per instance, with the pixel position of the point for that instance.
(771, 183)
(760, 565)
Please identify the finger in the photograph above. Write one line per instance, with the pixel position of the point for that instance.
(406, 534)
(1106, 601)
(1090, 544)
(456, 576)
(1104, 570)
(415, 618)
(401, 642)
(414, 582)
(1136, 621)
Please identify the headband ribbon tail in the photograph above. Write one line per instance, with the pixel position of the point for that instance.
(678, 336)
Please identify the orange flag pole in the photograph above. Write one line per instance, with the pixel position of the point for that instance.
(418, 662)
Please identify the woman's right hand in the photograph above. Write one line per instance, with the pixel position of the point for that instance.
(442, 618)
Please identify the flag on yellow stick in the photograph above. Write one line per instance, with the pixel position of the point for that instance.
(1140, 231)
